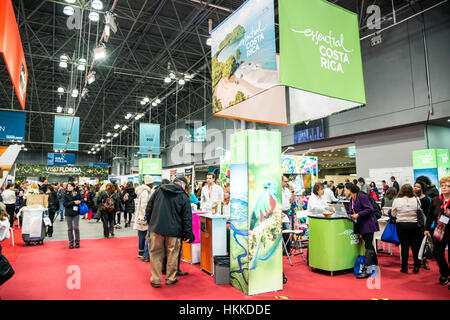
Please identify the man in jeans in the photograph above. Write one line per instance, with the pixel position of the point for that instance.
(170, 220)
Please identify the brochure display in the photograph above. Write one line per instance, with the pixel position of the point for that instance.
(213, 239)
(255, 226)
(332, 244)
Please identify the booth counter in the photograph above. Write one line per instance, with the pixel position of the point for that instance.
(332, 244)
(213, 239)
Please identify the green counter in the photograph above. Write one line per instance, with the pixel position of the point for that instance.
(332, 244)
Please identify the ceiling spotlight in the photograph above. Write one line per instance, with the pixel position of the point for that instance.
(172, 75)
(108, 134)
(181, 82)
(102, 145)
(68, 10)
(70, 111)
(209, 42)
(158, 100)
(94, 16)
(97, 5)
(82, 61)
(125, 127)
(96, 145)
(108, 141)
(70, 1)
(128, 116)
(98, 149)
(137, 117)
(81, 67)
(64, 57)
(117, 126)
(74, 93)
(142, 102)
(146, 99)
(154, 104)
(91, 77)
(187, 77)
(99, 52)
(115, 134)
(89, 152)
(167, 80)
(60, 90)
(63, 64)
(59, 109)
(25, 149)
(101, 140)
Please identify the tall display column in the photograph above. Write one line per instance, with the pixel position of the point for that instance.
(256, 261)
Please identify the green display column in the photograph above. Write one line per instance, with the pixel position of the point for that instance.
(256, 261)
(332, 244)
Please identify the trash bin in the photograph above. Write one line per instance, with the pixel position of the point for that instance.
(222, 269)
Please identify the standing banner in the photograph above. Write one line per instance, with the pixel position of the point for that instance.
(433, 163)
(150, 166)
(12, 50)
(149, 138)
(244, 54)
(12, 125)
(255, 225)
(64, 138)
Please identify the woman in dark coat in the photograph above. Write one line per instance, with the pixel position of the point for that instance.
(72, 199)
(127, 198)
(366, 224)
(108, 217)
(53, 205)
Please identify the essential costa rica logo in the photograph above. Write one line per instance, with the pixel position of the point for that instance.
(332, 50)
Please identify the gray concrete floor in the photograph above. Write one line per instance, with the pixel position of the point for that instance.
(88, 230)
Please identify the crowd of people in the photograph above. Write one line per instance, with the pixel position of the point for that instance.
(163, 214)
(417, 210)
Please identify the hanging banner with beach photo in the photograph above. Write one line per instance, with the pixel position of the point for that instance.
(244, 54)
(66, 133)
(320, 58)
(149, 142)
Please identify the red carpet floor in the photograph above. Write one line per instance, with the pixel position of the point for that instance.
(110, 270)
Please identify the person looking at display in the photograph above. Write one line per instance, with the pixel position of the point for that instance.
(9, 199)
(440, 216)
(287, 200)
(317, 201)
(169, 216)
(389, 197)
(404, 209)
(366, 224)
(425, 203)
(329, 194)
(331, 186)
(395, 184)
(373, 191)
(212, 195)
(363, 186)
(339, 194)
(385, 186)
(430, 189)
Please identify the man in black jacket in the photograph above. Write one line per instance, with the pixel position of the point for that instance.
(170, 220)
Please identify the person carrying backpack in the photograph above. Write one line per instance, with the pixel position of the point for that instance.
(109, 205)
(127, 199)
(366, 224)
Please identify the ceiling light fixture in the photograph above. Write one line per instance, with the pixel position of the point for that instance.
(108, 141)
(96, 145)
(181, 82)
(100, 52)
(70, 1)
(167, 80)
(68, 10)
(70, 111)
(108, 134)
(81, 67)
(154, 104)
(101, 140)
(142, 102)
(74, 93)
(158, 100)
(115, 134)
(146, 99)
(60, 90)
(125, 127)
(63, 64)
(94, 16)
(172, 75)
(209, 42)
(59, 109)
(97, 5)
(116, 126)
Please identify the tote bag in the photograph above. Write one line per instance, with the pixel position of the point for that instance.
(390, 233)
(83, 208)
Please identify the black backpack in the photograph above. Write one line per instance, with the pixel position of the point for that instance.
(376, 208)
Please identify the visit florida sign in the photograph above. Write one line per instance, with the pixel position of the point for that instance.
(320, 50)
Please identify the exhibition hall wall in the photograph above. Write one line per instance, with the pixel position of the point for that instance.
(438, 137)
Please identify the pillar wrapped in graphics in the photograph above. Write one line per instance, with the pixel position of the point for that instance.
(255, 229)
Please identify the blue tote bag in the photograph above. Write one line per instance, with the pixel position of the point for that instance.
(83, 208)
(390, 233)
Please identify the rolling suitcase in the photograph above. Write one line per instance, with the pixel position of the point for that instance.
(34, 213)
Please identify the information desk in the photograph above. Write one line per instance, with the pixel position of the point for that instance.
(213, 239)
(332, 244)
(192, 251)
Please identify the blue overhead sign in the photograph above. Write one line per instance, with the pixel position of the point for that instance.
(64, 134)
(149, 142)
(12, 125)
(54, 159)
